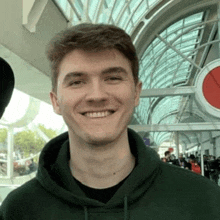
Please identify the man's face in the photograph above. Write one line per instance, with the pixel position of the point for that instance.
(96, 95)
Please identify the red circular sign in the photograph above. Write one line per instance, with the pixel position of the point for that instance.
(170, 149)
(211, 87)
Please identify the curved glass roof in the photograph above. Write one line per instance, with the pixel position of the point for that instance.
(167, 60)
(123, 13)
(166, 63)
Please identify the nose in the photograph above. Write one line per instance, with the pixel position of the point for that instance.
(97, 92)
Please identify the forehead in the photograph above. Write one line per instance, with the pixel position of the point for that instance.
(93, 62)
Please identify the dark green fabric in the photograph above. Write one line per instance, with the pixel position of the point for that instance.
(154, 190)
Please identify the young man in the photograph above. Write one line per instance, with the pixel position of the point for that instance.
(101, 169)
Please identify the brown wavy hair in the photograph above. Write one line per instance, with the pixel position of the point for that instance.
(90, 37)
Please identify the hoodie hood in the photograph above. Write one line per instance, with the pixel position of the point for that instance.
(55, 176)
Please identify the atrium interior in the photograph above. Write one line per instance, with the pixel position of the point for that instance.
(178, 45)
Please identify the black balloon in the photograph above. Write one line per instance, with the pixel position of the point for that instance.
(7, 82)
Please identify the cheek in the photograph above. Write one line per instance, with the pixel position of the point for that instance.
(64, 103)
(129, 99)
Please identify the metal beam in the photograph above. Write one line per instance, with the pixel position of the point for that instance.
(178, 52)
(178, 91)
(204, 126)
(74, 9)
(98, 11)
(177, 144)
(32, 11)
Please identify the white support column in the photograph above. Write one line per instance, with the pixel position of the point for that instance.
(10, 167)
(177, 145)
(202, 149)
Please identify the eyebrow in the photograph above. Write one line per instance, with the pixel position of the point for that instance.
(117, 69)
(109, 70)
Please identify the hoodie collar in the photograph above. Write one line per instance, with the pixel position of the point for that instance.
(54, 173)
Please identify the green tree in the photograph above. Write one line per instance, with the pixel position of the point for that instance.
(3, 135)
(28, 142)
(50, 133)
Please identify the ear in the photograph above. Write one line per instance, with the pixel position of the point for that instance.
(55, 103)
(138, 88)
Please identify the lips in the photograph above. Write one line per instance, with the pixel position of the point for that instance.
(98, 114)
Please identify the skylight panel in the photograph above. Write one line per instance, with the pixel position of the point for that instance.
(161, 137)
(79, 6)
(65, 8)
(187, 49)
(166, 105)
(151, 3)
(139, 12)
(172, 28)
(168, 120)
(164, 82)
(179, 79)
(133, 4)
(142, 110)
(158, 47)
(196, 18)
(124, 18)
(191, 36)
(109, 3)
(171, 37)
(129, 27)
(93, 8)
(118, 8)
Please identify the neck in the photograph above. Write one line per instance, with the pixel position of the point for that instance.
(101, 166)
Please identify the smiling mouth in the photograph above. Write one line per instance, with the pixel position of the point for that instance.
(100, 114)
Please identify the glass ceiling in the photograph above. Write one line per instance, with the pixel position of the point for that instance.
(122, 13)
(162, 67)
(167, 62)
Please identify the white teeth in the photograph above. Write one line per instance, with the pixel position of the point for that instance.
(97, 114)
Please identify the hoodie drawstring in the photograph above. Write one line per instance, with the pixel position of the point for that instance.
(86, 213)
(125, 209)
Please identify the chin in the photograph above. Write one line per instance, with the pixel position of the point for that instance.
(100, 139)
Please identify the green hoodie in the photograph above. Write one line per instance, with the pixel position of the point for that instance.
(154, 190)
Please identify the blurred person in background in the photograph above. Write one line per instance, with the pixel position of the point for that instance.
(195, 167)
(213, 165)
(167, 158)
(181, 162)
